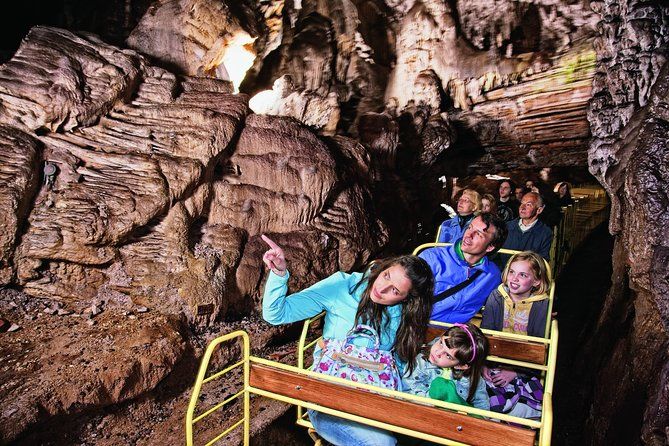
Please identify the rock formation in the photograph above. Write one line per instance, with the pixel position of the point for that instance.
(158, 183)
(138, 181)
(628, 154)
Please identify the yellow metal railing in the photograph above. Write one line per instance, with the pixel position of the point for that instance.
(191, 419)
(544, 426)
(247, 389)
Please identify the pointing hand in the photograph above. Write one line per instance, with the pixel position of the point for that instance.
(274, 257)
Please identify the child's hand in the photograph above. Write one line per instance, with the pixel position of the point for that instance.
(504, 377)
(485, 371)
(274, 257)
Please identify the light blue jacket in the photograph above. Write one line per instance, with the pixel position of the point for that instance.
(450, 230)
(418, 383)
(336, 295)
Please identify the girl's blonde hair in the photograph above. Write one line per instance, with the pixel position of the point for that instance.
(475, 198)
(538, 267)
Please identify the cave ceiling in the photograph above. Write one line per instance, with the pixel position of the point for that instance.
(511, 78)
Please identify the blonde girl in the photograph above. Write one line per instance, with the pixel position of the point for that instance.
(519, 305)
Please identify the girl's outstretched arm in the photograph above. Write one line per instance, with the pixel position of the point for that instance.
(279, 308)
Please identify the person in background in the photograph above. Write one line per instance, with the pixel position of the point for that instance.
(564, 192)
(520, 191)
(469, 204)
(507, 207)
(488, 204)
(528, 233)
(552, 213)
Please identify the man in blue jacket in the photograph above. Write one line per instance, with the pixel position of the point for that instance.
(463, 274)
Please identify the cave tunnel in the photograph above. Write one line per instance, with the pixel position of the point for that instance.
(147, 146)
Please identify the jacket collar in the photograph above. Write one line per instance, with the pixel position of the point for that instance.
(505, 294)
(461, 255)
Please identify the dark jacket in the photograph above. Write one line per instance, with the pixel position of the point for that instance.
(537, 239)
(493, 313)
(509, 210)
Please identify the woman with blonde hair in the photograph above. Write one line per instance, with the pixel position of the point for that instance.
(469, 206)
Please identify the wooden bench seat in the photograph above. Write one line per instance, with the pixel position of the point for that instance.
(393, 411)
(535, 353)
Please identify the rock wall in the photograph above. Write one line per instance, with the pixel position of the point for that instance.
(123, 181)
(629, 154)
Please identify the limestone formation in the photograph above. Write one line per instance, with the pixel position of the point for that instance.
(19, 178)
(156, 198)
(142, 178)
(628, 154)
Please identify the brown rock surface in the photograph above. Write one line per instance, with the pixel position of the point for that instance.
(19, 155)
(629, 155)
(61, 366)
(163, 182)
(155, 200)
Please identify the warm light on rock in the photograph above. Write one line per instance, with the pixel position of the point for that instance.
(239, 57)
(264, 102)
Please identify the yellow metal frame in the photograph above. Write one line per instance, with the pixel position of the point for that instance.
(544, 425)
(191, 419)
(547, 370)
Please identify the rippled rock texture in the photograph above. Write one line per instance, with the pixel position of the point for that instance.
(629, 155)
(120, 177)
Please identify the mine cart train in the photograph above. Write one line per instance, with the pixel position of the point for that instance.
(402, 413)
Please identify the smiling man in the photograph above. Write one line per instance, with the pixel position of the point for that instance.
(463, 274)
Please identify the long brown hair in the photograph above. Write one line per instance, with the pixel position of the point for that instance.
(458, 338)
(416, 307)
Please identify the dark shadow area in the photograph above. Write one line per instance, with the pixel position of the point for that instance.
(580, 293)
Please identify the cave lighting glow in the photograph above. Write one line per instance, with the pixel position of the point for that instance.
(264, 102)
(239, 57)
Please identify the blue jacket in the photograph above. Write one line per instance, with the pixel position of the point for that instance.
(537, 239)
(453, 228)
(450, 268)
(336, 296)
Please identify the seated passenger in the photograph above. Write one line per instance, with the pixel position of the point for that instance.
(564, 191)
(393, 297)
(488, 204)
(468, 206)
(508, 205)
(520, 191)
(519, 305)
(449, 368)
(463, 275)
(527, 232)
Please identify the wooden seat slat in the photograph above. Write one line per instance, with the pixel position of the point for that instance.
(507, 348)
(409, 415)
